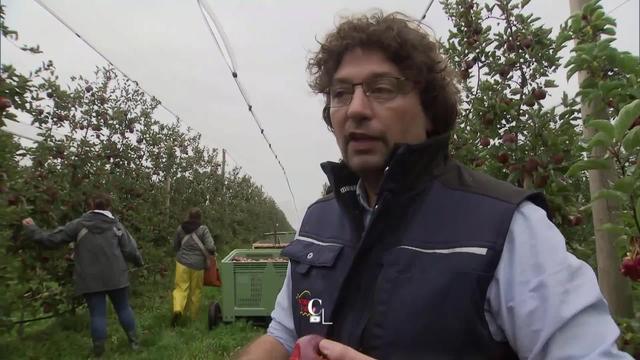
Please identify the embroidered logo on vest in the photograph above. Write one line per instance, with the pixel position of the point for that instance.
(303, 302)
(344, 189)
(311, 307)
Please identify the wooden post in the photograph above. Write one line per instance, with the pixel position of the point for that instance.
(224, 165)
(167, 187)
(615, 288)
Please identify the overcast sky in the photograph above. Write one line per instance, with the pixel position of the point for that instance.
(166, 47)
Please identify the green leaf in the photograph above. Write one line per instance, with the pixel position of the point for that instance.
(599, 139)
(626, 117)
(599, 14)
(524, 3)
(604, 126)
(627, 62)
(609, 86)
(638, 212)
(574, 69)
(590, 8)
(589, 164)
(609, 31)
(550, 84)
(631, 141)
(612, 195)
(614, 229)
(624, 185)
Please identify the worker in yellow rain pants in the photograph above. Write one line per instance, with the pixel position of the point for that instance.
(192, 244)
(188, 287)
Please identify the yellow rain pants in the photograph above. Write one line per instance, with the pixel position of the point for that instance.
(188, 289)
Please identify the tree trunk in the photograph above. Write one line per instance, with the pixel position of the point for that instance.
(167, 187)
(615, 287)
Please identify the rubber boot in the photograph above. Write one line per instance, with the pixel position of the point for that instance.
(175, 318)
(98, 348)
(134, 343)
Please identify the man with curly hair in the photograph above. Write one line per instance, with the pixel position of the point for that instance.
(414, 256)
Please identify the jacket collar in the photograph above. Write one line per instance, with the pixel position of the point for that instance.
(103, 212)
(407, 167)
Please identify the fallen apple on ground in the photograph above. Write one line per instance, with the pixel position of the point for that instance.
(307, 348)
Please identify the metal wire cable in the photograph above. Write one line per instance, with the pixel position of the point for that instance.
(103, 56)
(223, 46)
(617, 7)
(52, 13)
(230, 61)
(424, 15)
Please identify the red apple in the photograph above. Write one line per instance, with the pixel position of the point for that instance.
(469, 64)
(503, 158)
(630, 268)
(487, 119)
(539, 93)
(557, 159)
(12, 200)
(5, 103)
(509, 138)
(484, 142)
(514, 168)
(504, 71)
(526, 42)
(531, 165)
(541, 181)
(47, 308)
(575, 220)
(307, 348)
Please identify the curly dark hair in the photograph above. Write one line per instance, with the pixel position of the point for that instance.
(99, 201)
(408, 46)
(194, 214)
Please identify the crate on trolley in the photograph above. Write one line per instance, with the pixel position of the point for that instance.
(251, 281)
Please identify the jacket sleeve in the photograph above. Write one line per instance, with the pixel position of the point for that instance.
(61, 235)
(545, 301)
(129, 247)
(281, 326)
(177, 241)
(207, 241)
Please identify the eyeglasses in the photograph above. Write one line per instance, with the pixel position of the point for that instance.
(380, 89)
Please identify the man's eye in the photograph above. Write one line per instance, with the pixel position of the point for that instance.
(338, 93)
(382, 89)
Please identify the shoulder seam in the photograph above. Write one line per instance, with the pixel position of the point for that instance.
(325, 198)
(483, 194)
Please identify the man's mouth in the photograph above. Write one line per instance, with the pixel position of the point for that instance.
(361, 141)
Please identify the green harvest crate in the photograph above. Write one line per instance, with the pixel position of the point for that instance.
(250, 288)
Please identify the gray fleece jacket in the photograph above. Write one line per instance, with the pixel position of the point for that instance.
(100, 255)
(188, 253)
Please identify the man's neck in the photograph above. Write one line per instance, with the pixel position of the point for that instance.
(372, 184)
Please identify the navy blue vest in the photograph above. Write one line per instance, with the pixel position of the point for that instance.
(414, 284)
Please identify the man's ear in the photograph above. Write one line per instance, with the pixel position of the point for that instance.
(326, 116)
(429, 126)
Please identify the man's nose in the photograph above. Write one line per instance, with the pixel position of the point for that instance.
(360, 107)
